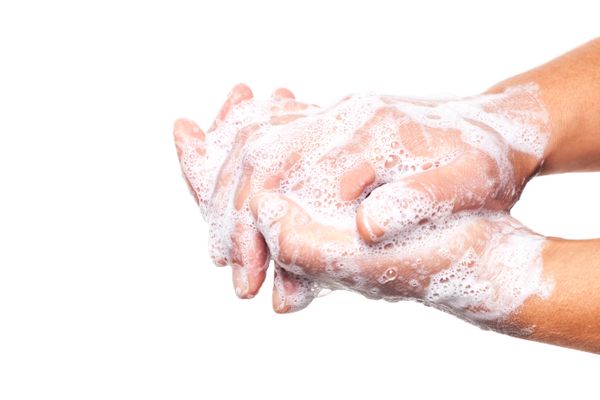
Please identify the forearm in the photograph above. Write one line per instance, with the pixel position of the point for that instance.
(570, 90)
(570, 316)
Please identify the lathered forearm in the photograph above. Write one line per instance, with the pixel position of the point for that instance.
(570, 90)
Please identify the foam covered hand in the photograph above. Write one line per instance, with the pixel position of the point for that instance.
(221, 175)
(479, 265)
(420, 162)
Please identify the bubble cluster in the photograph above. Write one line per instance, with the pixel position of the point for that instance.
(329, 161)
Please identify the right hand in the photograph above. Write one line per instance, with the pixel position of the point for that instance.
(479, 265)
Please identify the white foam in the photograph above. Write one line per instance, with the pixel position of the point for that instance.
(399, 138)
(495, 283)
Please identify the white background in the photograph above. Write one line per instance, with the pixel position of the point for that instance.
(106, 287)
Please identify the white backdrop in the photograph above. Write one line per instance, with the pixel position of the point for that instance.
(106, 287)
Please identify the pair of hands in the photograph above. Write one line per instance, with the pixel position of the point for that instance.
(390, 197)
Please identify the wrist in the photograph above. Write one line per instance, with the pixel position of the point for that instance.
(569, 316)
(523, 124)
(495, 275)
(568, 90)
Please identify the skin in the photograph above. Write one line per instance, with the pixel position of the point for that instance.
(441, 169)
(570, 317)
(569, 86)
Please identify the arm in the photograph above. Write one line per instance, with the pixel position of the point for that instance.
(570, 90)
(456, 157)
(570, 317)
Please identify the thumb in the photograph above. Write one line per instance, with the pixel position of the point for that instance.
(293, 237)
(470, 182)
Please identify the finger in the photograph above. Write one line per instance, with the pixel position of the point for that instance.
(248, 248)
(354, 181)
(468, 183)
(239, 93)
(239, 278)
(286, 108)
(189, 142)
(249, 259)
(282, 93)
(273, 181)
(300, 244)
(245, 245)
(287, 103)
(284, 118)
(220, 204)
(249, 262)
(293, 238)
(291, 292)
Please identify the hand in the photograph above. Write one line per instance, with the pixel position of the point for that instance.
(211, 165)
(313, 182)
(420, 152)
(480, 266)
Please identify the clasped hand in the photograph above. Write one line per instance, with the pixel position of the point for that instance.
(391, 197)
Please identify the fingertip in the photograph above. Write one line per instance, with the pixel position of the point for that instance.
(368, 229)
(258, 264)
(250, 253)
(184, 129)
(240, 282)
(179, 128)
(282, 94)
(278, 294)
(291, 292)
(255, 281)
(395, 207)
(239, 93)
(268, 207)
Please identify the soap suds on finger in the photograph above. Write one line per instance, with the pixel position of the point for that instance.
(486, 275)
